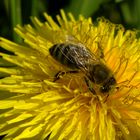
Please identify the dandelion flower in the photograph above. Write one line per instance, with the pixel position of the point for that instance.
(34, 106)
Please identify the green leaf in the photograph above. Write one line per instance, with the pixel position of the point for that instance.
(131, 13)
(84, 7)
(136, 12)
(15, 10)
(126, 11)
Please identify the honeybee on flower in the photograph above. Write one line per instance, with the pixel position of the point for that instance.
(37, 103)
(80, 58)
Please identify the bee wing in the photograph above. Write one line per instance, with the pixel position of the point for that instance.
(84, 58)
(80, 56)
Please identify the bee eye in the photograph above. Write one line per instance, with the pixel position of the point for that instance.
(104, 89)
(112, 81)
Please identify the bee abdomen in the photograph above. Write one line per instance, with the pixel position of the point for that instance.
(61, 52)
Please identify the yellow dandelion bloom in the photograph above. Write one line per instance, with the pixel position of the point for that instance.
(34, 106)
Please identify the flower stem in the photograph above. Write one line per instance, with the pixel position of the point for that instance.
(15, 7)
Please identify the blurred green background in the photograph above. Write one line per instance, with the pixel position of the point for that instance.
(12, 12)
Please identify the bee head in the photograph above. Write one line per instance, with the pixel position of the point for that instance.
(106, 87)
(102, 76)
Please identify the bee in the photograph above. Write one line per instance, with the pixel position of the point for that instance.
(79, 58)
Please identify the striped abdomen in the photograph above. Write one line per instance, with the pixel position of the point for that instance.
(70, 55)
(61, 53)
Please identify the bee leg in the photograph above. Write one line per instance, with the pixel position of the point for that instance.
(58, 75)
(61, 73)
(89, 85)
(106, 98)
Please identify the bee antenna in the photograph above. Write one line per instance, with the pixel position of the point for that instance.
(126, 81)
(127, 86)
